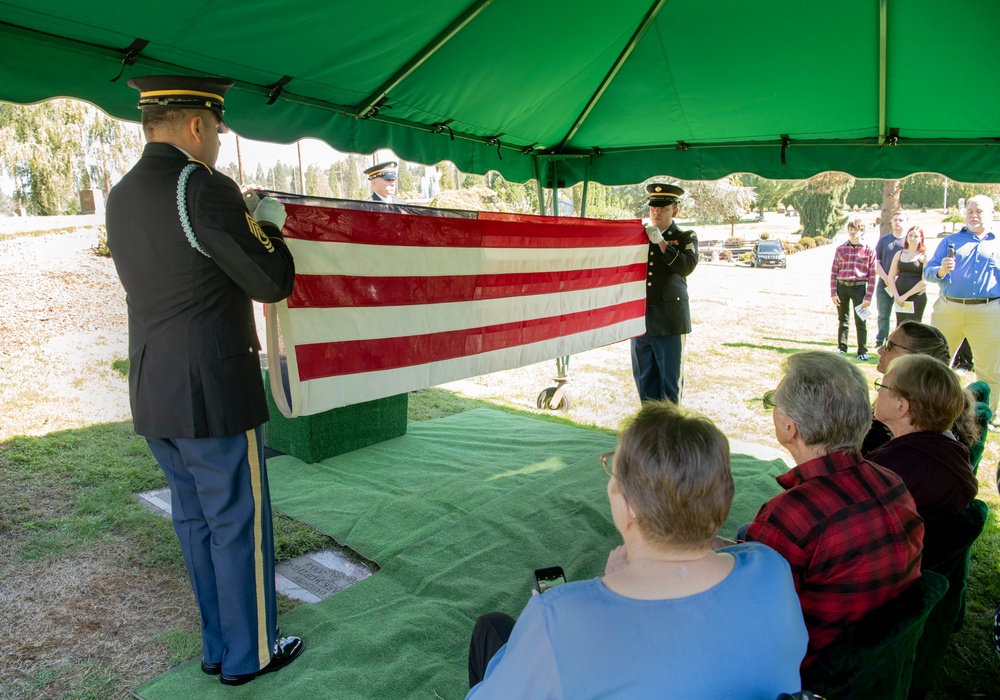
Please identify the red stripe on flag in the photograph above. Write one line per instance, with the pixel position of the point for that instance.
(318, 360)
(332, 225)
(331, 291)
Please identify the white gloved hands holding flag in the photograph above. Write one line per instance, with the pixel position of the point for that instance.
(655, 237)
(270, 211)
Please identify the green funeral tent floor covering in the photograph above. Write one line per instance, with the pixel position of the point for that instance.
(457, 513)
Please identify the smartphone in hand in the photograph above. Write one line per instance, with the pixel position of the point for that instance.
(549, 577)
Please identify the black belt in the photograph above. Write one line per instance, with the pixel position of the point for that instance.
(971, 302)
(852, 283)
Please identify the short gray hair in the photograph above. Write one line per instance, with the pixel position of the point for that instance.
(827, 397)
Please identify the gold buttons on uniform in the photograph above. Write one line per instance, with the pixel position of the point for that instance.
(649, 284)
(250, 349)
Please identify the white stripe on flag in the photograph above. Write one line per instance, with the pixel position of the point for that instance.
(334, 392)
(325, 258)
(364, 323)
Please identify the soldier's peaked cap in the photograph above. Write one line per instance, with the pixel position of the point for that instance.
(182, 92)
(661, 194)
(386, 170)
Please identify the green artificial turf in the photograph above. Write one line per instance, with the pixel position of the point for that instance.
(457, 513)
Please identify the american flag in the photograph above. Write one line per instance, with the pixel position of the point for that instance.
(390, 299)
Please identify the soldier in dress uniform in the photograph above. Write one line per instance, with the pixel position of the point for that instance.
(382, 178)
(657, 356)
(191, 258)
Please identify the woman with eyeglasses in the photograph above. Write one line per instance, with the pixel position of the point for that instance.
(912, 338)
(670, 617)
(919, 400)
(906, 277)
(909, 338)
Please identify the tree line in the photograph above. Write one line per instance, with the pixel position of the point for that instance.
(52, 150)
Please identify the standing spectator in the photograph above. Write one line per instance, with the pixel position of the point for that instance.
(191, 258)
(848, 527)
(852, 281)
(906, 277)
(657, 356)
(885, 250)
(963, 359)
(967, 266)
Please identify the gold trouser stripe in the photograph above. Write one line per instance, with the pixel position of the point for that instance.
(680, 379)
(253, 457)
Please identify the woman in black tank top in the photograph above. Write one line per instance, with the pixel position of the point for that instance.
(906, 278)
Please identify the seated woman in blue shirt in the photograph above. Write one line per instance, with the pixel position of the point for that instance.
(671, 617)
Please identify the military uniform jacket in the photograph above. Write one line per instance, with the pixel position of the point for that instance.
(667, 310)
(393, 199)
(193, 350)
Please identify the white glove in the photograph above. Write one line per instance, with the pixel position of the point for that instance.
(655, 237)
(270, 211)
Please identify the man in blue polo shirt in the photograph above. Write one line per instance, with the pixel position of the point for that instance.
(885, 250)
(967, 266)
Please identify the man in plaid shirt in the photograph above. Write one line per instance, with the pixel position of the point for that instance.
(848, 528)
(852, 281)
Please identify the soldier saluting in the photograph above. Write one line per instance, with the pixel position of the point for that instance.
(657, 356)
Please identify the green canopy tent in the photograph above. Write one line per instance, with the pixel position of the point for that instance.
(612, 92)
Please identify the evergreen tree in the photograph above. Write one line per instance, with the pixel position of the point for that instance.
(42, 150)
(404, 184)
(317, 182)
(232, 170)
(820, 203)
(769, 193)
(864, 191)
(447, 176)
(355, 182)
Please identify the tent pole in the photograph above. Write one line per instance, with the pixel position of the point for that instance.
(586, 188)
(555, 188)
(538, 187)
(883, 32)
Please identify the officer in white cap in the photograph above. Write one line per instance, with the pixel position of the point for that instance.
(191, 258)
(657, 356)
(382, 178)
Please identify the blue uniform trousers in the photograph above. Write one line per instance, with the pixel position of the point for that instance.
(221, 509)
(656, 366)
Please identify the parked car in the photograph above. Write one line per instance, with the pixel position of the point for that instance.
(768, 253)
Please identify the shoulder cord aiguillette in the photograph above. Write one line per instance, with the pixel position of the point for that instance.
(182, 211)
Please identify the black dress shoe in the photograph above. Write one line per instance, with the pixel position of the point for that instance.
(211, 669)
(286, 650)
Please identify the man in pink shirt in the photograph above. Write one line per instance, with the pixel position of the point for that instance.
(852, 281)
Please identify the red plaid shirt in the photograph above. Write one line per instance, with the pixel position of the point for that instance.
(851, 533)
(852, 263)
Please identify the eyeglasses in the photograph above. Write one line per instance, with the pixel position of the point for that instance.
(606, 465)
(888, 345)
(879, 386)
(768, 400)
